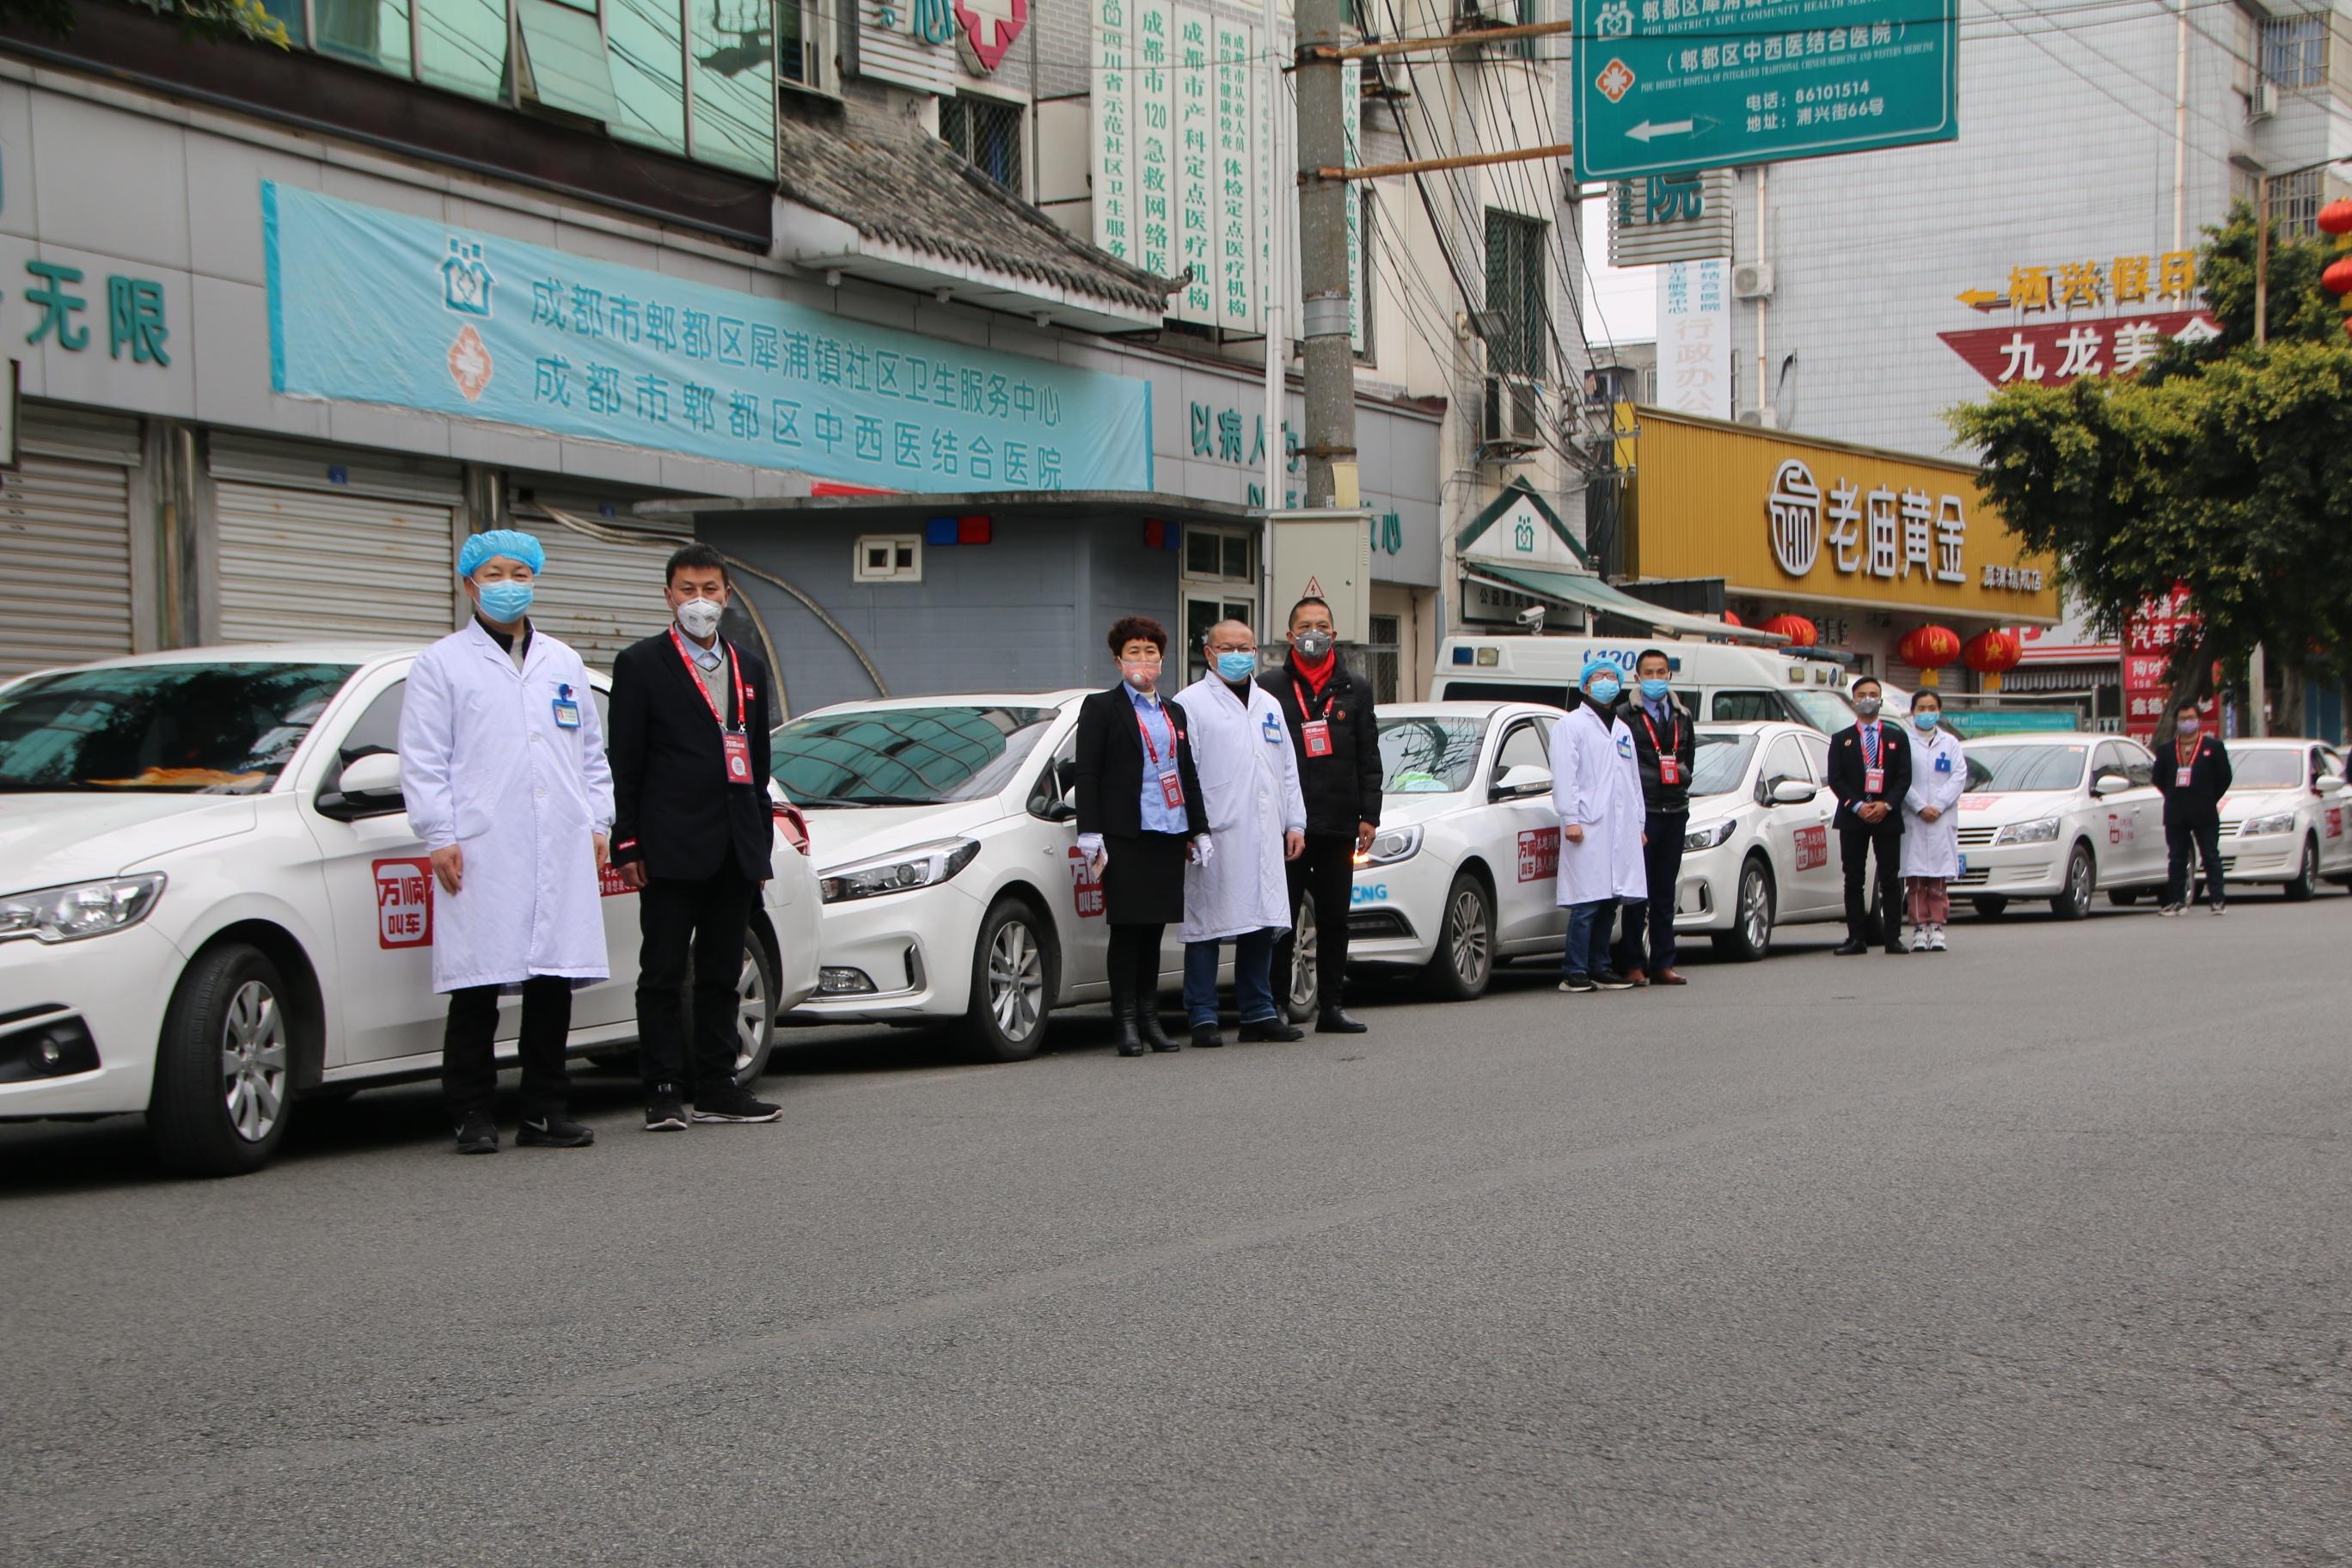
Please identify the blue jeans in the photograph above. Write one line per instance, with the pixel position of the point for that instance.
(1252, 978)
(1588, 937)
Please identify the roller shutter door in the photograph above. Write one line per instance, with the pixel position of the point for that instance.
(296, 565)
(601, 597)
(64, 542)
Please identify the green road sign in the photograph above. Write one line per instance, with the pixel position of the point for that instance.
(1663, 86)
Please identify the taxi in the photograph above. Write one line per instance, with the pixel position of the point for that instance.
(2061, 817)
(2282, 821)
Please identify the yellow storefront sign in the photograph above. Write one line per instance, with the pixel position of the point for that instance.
(1787, 517)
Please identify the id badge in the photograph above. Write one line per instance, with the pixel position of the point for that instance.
(567, 714)
(739, 757)
(1874, 781)
(1944, 763)
(1316, 733)
(2180, 777)
(1670, 771)
(1172, 790)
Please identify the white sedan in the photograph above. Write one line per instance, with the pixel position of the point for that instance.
(1760, 851)
(212, 905)
(2282, 820)
(1463, 870)
(2059, 817)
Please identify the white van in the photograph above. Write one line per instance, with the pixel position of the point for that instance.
(1718, 682)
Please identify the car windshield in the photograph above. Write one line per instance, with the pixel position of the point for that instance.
(1721, 762)
(905, 756)
(1429, 756)
(1827, 711)
(2001, 769)
(2271, 768)
(169, 729)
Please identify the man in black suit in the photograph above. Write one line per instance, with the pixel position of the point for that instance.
(2192, 770)
(1870, 769)
(692, 832)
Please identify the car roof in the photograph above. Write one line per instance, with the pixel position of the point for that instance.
(1485, 708)
(1061, 699)
(343, 650)
(1754, 727)
(2043, 737)
(2250, 744)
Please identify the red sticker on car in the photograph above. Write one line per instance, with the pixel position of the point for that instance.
(2334, 821)
(1538, 854)
(1086, 888)
(403, 903)
(1813, 847)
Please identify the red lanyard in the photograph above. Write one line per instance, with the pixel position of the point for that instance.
(1145, 731)
(1673, 733)
(742, 708)
(2188, 759)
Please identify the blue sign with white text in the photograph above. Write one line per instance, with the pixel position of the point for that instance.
(372, 306)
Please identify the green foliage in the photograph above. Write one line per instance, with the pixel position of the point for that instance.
(2225, 467)
(213, 20)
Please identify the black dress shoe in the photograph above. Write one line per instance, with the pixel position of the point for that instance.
(1895, 950)
(1271, 1030)
(1206, 1038)
(1331, 1021)
(1850, 946)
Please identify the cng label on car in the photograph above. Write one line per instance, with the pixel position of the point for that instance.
(1538, 854)
(403, 903)
(1813, 847)
(1086, 888)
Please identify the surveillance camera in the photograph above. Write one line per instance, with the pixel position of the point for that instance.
(1532, 617)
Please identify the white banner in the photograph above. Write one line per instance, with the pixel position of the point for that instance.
(1694, 338)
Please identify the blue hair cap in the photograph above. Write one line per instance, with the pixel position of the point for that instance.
(1599, 667)
(511, 542)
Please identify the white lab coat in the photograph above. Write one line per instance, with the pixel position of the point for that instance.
(1933, 848)
(484, 765)
(1596, 784)
(1249, 787)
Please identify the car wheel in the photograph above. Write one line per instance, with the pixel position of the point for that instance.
(1304, 998)
(224, 1067)
(2082, 881)
(2125, 898)
(1992, 909)
(1465, 960)
(1012, 969)
(1751, 936)
(755, 1013)
(2307, 875)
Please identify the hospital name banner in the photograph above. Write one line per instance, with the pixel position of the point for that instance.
(371, 305)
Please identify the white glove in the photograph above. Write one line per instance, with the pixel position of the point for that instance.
(1090, 844)
(1202, 849)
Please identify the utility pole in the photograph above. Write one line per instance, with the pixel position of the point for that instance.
(1329, 438)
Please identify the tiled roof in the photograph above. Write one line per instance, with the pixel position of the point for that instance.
(892, 180)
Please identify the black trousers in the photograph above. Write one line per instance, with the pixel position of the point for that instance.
(1131, 963)
(1327, 869)
(1662, 868)
(705, 921)
(1856, 840)
(469, 1070)
(2180, 838)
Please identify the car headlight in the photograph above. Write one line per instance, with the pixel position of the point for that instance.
(84, 908)
(2282, 823)
(924, 866)
(2041, 832)
(1392, 845)
(1713, 835)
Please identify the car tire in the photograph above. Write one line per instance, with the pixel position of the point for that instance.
(1464, 964)
(1991, 908)
(224, 1065)
(1013, 978)
(2307, 875)
(1303, 998)
(2082, 883)
(755, 1012)
(1751, 936)
(2125, 898)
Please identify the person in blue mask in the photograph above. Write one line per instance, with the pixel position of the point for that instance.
(1596, 791)
(1665, 748)
(1931, 821)
(504, 775)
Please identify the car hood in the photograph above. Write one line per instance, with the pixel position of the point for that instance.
(842, 836)
(1403, 810)
(2262, 802)
(2002, 807)
(47, 840)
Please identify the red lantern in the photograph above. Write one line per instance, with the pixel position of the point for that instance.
(2336, 218)
(1800, 632)
(1928, 648)
(2337, 278)
(1990, 653)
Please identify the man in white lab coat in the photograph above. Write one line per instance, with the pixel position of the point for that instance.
(502, 767)
(1596, 790)
(1257, 819)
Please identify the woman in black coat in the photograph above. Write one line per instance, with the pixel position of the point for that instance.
(1139, 813)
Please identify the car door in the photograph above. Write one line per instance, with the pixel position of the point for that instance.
(2114, 832)
(1076, 892)
(1521, 838)
(2335, 842)
(2145, 860)
(1797, 837)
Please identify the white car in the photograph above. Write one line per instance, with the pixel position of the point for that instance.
(210, 904)
(2282, 820)
(1463, 870)
(2059, 817)
(1760, 851)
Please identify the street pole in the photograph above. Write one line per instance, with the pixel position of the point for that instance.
(1277, 332)
(2262, 261)
(1330, 435)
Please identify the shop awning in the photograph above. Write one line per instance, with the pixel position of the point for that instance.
(1583, 593)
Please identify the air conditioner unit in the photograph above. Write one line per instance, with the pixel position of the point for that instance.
(1511, 418)
(2264, 102)
(1764, 418)
(1751, 280)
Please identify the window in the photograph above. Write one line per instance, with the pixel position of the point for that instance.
(1219, 555)
(804, 44)
(563, 63)
(1524, 14)
(1817, 752)
(1429, 756)
(732, 64)
(2109, 759)
(2295, 202)
(889, 558)
(987, 131)
(1525, 746)
(1514, 295)
(905, 756)
(1786, 760)
(1720, 763)
(1383, 658)
(373, 734)
(192, 728)
(1744, 707)
(1200, 615)
(2295, 50)
(370, 32)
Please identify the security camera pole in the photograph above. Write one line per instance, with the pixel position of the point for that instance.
(1323, 199)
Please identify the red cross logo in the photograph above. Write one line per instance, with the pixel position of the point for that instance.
(1615, 81)
(469, 363)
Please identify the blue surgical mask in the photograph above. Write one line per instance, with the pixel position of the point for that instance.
(1928, 719)
(506, 603)
(1604, 692)
(1655, 690)
(1237, 666)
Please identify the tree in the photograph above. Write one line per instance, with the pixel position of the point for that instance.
(214, 20)
(2225, 467)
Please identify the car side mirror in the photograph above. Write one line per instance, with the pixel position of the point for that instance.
(1522, 781)
(2329, 785)
(1791, 791)
(2110, 784)
(370, 787)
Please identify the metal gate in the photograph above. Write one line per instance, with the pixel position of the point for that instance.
(298, 564)
(65, 563)
(601, 596)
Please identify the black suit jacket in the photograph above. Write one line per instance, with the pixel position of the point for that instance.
(1344, 788)
(2209, 780)
(1110, 766)
(1848, 775)
(672, 807)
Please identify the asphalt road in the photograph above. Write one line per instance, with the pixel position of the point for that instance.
(2032, 1252)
